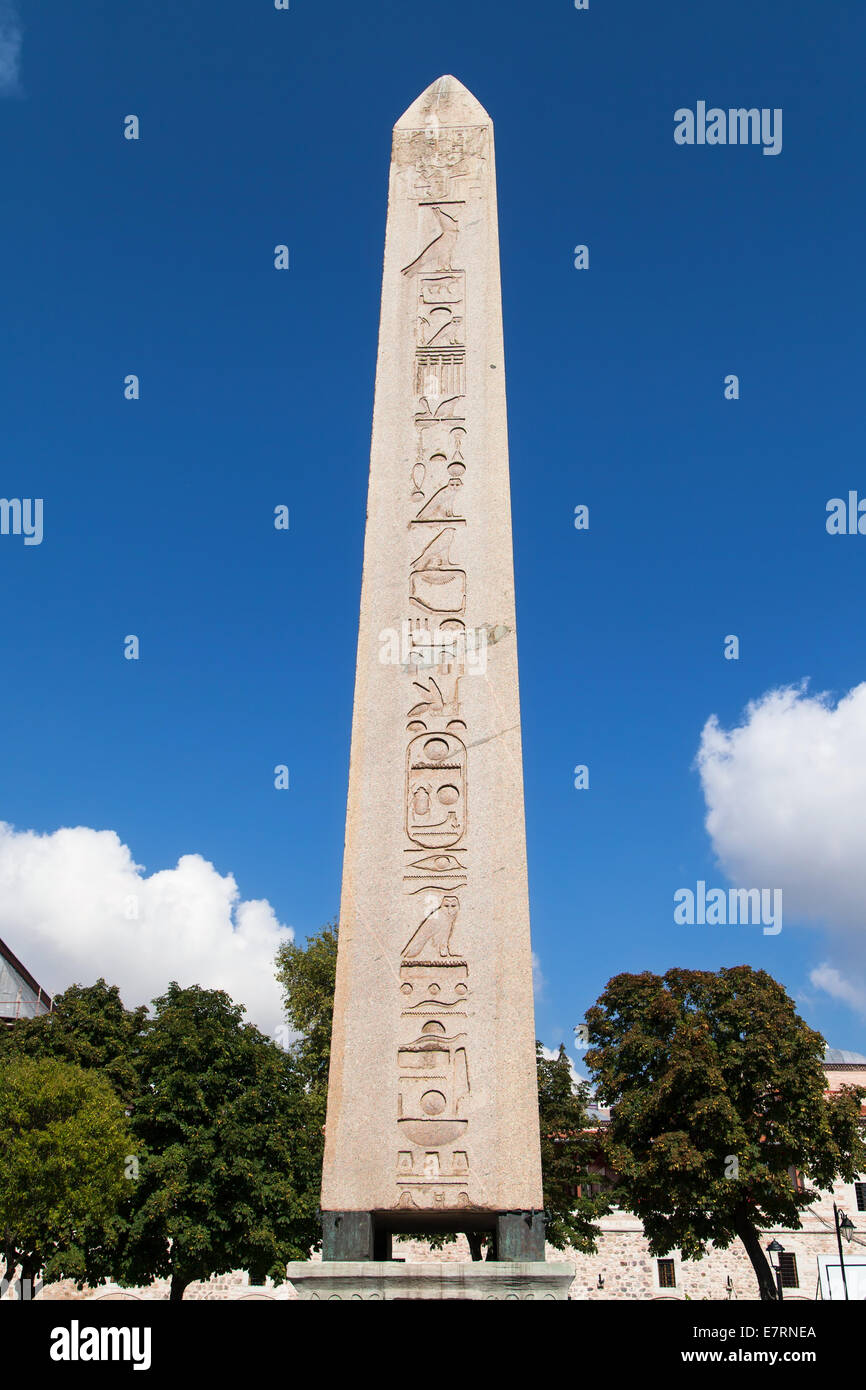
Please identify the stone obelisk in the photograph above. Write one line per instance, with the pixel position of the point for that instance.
(432, 1116)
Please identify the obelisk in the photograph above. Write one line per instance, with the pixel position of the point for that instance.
(432, 1119)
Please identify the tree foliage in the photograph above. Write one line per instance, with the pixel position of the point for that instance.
(64, 1145)
(227, 1155)
(89, 1027)
(717, 1089)
(574, 1194)
(307, 975)
(227, 1179)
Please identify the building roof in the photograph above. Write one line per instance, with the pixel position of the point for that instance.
(21, 996)
(841, 1056)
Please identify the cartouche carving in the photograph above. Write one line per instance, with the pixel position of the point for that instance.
(434, 1085)
(436, 790)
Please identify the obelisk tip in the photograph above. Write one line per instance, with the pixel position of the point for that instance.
(447, 102)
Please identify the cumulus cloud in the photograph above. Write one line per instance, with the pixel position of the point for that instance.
(74, 905)
(849, 991)
(786, 808)
(10, 48)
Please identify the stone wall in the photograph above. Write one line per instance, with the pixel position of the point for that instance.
(224, 1286)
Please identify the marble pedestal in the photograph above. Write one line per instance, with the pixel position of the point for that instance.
(387, 1281)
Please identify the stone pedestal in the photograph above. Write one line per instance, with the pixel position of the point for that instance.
(393, 1280)
(362, 1235)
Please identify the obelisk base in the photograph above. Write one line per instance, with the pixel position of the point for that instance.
(393, 1280)
(364, 1235)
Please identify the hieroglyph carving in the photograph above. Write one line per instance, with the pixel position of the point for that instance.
(433, 1069)
(446, 161)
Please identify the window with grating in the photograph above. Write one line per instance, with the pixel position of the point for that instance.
(667, 1274)
(860, 1194)
(788, 1267)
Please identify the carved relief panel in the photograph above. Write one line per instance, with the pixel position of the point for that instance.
(434, 1085)
(436, 799)
(433, 1059)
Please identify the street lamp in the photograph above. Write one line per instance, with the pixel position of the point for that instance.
(775, 1252)
(844, 1227)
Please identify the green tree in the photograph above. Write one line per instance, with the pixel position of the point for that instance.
(574, 1193)
(89, 1027)
(307, 975)
(227, 1178)
(717, 1089)
(64, 1145)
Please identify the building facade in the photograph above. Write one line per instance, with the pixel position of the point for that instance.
(20, 995)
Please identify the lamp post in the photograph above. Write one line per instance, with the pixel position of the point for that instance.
(775, 1252)
(844, 1227)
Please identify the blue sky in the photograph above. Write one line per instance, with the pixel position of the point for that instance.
(707, 516)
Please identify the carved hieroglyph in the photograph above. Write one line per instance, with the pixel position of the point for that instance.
(432, 1097)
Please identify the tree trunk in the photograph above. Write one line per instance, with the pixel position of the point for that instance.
(10, 1264)
(751, 1240)
(178, 1285)
(27, 1281)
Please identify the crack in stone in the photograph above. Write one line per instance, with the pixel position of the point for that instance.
(478, 742)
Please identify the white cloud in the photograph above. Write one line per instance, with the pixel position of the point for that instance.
(786, 808)
(552, 1055)
(832, 982)
(10, 47)
(74, 905)
(539, 983)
